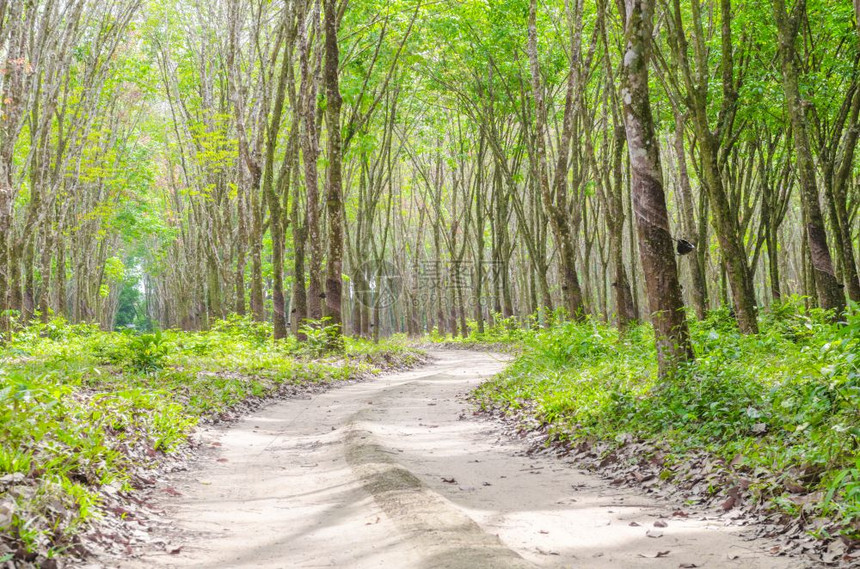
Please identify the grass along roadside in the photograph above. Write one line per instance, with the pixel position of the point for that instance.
(82, 412)
(771, 420)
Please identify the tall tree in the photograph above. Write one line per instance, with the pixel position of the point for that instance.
(713, 143)
(334, 182)
(554, 199)
(830, 291)
(649, 199)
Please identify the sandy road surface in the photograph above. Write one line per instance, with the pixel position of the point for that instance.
(396, 473)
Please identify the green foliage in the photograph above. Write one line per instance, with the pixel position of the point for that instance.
(131, 312)
(321, 337)
(498, 332)
(786, 400)
(244, 327)
(147, 352)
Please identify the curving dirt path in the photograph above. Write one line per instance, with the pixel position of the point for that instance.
(397, 473)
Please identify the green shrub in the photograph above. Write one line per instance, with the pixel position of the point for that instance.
(244, 327)
(321, 337)
(147, 352)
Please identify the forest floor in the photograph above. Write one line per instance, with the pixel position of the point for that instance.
(402, 472)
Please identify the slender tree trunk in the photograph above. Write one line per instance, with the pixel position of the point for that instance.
(213, 287)
(12, 98)
(830, 293)
(838, 196)
(277, 223)
(655, 240)
(300, 295)
(62, 297)
(558, 217)
(479, 239)
(770, 241)
(773, 265)
(241, 255)
(310, 153)
(626, 311)
(16, 298)
(334, 190)
(632, 242)
(699, 291)
(45, 271)
(256, 239)
(28, 302)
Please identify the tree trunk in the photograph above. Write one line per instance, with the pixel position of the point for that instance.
(711, 142)
(556, 212)
(334, 190)
(310, 152)
(479, 239)
(28, 302)
(699, 291)
(277, 224)
(12, 98)
(838, 197)
(48, 241)
(655, 240)
(256, 239)
(830, 293)
(626, 311)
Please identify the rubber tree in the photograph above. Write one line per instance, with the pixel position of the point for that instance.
(334, 182)
(649, 199)
(714, 142)
(830, 293)
(554, 199)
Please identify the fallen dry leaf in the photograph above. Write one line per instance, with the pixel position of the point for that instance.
(835, 552)
(660, 524)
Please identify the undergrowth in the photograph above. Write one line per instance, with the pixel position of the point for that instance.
(499, 334)
(785, 401)
(82, 409)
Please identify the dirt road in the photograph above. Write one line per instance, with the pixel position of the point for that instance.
(397, 473)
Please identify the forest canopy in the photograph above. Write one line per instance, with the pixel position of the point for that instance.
(410, 166)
